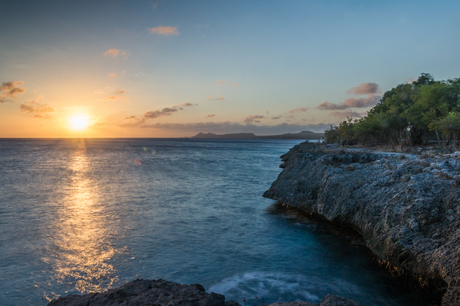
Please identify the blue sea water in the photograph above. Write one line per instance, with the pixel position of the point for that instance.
(82, 215)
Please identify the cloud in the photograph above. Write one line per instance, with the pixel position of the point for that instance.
(364, 89)
(298, 110)
(10, 90)
(234, 127)
(113, 98)
(116, 95)
(116, 52)
(220, 82)
(112, 75)
(277, 117)
(155, 5)
(216, 99)
(167, 111)
(255, 119)
(166, 31)
(39, 110)
(346, 114)
(371, 100)
(210, 116)
(329, 106)
(236, 84)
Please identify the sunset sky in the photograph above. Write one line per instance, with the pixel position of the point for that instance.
(175, 68)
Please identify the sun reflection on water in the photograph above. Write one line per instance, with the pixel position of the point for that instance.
(82, 239)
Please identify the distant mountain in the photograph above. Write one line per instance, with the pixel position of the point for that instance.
(302, 135)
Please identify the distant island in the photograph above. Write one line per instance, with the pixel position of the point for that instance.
(307, 135)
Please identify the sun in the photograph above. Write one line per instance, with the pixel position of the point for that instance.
(79, 122)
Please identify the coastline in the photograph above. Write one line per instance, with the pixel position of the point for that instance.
(404, 206)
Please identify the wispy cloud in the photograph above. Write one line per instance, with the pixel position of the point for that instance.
(330, 106)
(112, 98)
(116, 52)
(112, 75)
(346, 114)
(164, 112)
(371, 100)
(220, 82)
(210, 116)
(10, 90)
(155, 5)
(253, 118)
(166, 31)
(116, 95)
(216, 99)
(298, 110)
(236, 84)
(277, 117)
(39, 110)
(364, 89)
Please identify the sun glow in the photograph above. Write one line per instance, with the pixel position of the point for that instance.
(79, 122)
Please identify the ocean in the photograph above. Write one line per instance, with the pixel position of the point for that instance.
(82, 215)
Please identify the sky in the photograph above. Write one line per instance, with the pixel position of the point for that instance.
(176, 68)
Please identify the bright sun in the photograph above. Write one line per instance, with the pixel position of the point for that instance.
(79, 122)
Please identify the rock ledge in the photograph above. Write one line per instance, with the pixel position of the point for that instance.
(406, 207)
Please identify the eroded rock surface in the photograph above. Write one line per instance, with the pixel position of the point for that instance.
(328, 300)
(147, 292)
(143, 292)
(406, 207)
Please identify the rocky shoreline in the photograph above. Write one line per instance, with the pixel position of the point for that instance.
(142, 292)
(405, 206)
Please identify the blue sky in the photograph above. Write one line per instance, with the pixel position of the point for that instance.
(181, 67)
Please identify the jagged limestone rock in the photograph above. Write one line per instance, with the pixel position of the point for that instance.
(407, 212)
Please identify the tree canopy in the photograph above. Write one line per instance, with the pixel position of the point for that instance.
(410, 114)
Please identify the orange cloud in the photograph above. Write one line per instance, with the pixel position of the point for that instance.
(111, 98)
(220, 82)
(116, 52)
(10, 90)
(166, 31)
(112, 75)
(39, 110)
(236, 84)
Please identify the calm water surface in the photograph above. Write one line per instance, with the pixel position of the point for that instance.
(84, 215)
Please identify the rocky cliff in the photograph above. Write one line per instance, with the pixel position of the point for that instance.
(406, 207)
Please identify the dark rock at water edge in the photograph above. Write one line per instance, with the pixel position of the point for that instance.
(147, 292)
(328, 300)
(406, 207)
(142, 292)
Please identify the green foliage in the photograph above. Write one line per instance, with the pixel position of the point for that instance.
(409, 114)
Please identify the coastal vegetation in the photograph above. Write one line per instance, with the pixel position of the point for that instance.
(410, 114)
